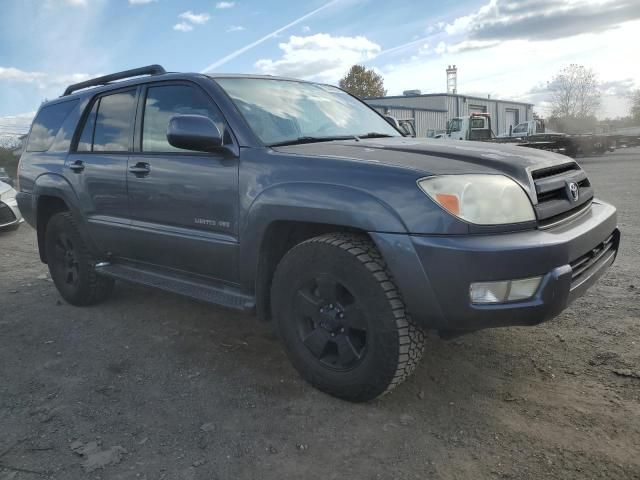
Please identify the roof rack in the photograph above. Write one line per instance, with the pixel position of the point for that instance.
(134, 72)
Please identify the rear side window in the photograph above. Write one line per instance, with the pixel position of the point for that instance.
(85, 143)
(46, 125)
(164, 102)
(114, 122)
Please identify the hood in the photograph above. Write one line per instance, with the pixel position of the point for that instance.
(437, 157)
(4, 188)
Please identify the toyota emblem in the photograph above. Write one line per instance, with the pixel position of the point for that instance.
(574, 191)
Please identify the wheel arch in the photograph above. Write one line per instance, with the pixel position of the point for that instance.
(278, 239)
(284, 215)
(53, 194)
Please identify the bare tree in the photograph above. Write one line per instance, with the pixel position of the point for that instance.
(574, 93)
(635, 105)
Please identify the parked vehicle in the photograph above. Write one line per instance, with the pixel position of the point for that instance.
(476, 126)
(584, 144)
(532, 134)
(298, 201)
(10, 216)
(405, 126)
(4, 177)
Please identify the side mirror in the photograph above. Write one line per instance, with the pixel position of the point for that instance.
(392, 121)
(194, 132)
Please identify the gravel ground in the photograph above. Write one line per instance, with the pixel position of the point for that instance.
(150, 385)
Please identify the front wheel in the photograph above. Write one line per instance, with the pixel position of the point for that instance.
(342, 319)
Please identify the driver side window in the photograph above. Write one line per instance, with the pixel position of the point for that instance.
(164, 102)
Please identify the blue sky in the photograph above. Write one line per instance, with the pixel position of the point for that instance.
(506, 48)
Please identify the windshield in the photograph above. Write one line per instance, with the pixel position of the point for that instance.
(286, 111)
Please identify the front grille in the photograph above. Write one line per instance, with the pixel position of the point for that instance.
(6, 214)
(581, 267)
(555, 202)
(555, 170)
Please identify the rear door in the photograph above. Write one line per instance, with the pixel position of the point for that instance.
(184, 204)
(97, 168)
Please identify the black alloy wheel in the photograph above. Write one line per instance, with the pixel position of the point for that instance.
(331, 323)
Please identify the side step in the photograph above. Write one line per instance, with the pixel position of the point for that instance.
(217, 294)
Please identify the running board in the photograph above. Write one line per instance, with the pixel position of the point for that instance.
(216, 294)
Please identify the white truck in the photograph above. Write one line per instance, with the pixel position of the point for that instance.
(532, 134)
(476, 126)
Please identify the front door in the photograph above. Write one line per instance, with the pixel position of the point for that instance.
(183, 204)
(97, 169)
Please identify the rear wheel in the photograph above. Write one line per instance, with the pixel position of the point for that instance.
(71, 265)
(342, 320)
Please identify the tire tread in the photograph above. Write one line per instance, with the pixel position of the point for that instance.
(411, 338)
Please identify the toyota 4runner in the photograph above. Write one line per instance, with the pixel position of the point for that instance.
(299, 202)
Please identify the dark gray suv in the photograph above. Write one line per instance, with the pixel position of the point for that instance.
(299, 202)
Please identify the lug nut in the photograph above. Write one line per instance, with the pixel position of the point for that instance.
(341, 315)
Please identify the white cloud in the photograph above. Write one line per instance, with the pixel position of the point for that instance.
(195, 18)
(223, 5)
(543, 19)
(41, 79)
(17, 75)
(306, 29)
(16, 124)
(183, 27)
(235, 28)
(141, 2)
(510, 69)
(274, 34)
(440, 48)
(320, 56)
(73, 3)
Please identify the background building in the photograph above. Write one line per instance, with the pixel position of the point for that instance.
(431, 112)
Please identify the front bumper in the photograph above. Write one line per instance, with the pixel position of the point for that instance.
(434, 273)
(10, 214)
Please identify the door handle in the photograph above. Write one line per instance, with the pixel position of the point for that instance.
(140, 169)
(77, 166)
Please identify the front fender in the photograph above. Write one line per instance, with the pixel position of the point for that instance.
(310, 203)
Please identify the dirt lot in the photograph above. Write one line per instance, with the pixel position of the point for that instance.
(149, 385)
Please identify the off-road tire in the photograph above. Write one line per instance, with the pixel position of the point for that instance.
(86, 286)
(394, 343)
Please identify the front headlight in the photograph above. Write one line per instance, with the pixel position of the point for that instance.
(480, 199)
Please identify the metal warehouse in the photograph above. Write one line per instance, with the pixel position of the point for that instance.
(430, 113)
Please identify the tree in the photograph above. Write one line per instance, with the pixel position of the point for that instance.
(635, 105)
(574, 93)
(363, 83)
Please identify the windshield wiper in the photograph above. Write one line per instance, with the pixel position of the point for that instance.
(301, 140)
(375, 135)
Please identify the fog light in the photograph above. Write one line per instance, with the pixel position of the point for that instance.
(504, 291)
(523, 289)
(489, 292)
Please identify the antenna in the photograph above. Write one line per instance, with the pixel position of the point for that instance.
(452, 79)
